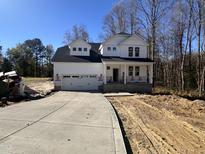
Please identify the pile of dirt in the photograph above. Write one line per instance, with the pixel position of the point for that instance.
(38, 86)
(162, 123)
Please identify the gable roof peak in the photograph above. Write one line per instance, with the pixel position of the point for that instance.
(82, 40)
(123, 33)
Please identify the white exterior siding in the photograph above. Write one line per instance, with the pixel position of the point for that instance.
(124, 51)
(86, 71)
(111, 52)
(122, 43)
(79, 44)
(77, 68)
(113, 42)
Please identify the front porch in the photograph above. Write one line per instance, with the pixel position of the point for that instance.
(128, 77)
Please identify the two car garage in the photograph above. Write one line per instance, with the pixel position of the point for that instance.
(81, 82)
(78, 76)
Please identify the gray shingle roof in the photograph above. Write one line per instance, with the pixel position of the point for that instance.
(120, 59)
(123, 33)
(63, 55)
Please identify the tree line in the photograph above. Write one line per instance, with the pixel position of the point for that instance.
(175, 32)
(30, 58)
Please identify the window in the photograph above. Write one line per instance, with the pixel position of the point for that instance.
(57, 77)
(108, 48)
(130, 49)
(93, 76)
(74, 49)
(79, 49)
(137, 51)
(85, 49)
(76, 76)
(114, 49)
(130, 70)
(137, 70)
(66, 76)
(130, 53)
(108, 67)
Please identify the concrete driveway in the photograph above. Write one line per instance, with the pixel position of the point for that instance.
(64, 123)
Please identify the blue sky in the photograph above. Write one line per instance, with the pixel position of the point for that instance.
(49, 19)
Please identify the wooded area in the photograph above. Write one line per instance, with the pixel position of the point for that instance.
(30, 58)
(175, 32)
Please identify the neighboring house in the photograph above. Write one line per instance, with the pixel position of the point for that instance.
(121, 63)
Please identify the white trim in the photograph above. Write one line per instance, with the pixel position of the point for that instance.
(104, 73)
(134, 63)
(125, 74)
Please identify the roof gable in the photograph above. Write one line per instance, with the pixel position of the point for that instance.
(134, 39)
(116, 39)
(79, 42)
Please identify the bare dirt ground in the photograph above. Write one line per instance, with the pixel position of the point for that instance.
(162, 123)
(38, 85)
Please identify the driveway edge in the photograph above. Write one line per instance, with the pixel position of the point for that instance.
(118, 138)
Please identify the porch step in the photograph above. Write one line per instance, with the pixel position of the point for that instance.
(118, 94)
(130, 87)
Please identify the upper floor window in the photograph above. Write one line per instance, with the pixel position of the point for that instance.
(130, 70)
(130, 49)
(108, 67)
(137, 70)
(74, 49)
(79, 49)
(114, 49)
(108, 48)
(85, 49)
(137, 51)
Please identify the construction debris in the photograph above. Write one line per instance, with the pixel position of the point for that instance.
(11, 85)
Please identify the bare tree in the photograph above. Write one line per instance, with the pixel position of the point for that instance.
(132, 12)
(123, 17)
(115, 21)
(152, 12)
(78, 32)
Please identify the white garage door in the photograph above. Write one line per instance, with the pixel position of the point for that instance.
(80, 82)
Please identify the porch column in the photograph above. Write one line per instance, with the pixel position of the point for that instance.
(151, 74)
(125, 74)
(105, 76)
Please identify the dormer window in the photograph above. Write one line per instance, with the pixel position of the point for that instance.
(79, 49)
(137, 51)
(74, 49)
(114, 49)
(108, 48)
(85, 49)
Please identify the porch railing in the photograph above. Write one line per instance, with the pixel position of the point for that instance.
(137, 79)
(129, 79)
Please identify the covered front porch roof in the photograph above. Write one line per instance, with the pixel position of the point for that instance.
(121, 60)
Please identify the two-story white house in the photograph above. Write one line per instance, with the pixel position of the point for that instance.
(121, 63)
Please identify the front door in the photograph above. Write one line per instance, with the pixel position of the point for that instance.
(115, 75)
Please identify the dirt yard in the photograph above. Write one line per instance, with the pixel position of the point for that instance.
(162, 123)
(38, 85)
